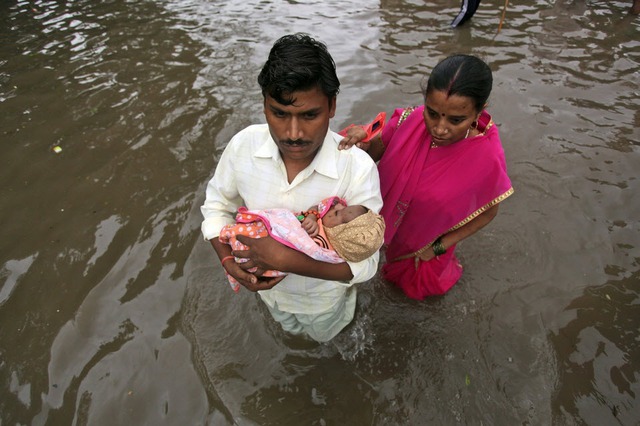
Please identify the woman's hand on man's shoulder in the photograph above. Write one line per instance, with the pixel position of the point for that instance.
(354, 136)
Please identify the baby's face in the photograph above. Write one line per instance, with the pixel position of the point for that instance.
(339, 214)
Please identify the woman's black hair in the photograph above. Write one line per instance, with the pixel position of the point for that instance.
(297, 62)
(462, 75)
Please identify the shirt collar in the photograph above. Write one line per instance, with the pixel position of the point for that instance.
(326, 161)
(268, 149)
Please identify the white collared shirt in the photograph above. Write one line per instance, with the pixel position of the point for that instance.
(251, 173)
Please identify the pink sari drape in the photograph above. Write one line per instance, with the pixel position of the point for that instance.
(428, 192)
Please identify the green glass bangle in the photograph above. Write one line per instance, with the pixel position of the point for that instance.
(438, 248)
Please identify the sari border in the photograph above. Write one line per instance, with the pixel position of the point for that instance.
(406, 113)
(468, 219)
(482, 209)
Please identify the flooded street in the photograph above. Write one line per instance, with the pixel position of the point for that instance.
(114, 311)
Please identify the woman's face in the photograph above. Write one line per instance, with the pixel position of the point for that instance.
(448, 117)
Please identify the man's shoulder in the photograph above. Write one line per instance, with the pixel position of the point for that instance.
(253, 131)
(356, 154)
(254, 135)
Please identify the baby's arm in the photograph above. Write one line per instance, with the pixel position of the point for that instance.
(310, 222)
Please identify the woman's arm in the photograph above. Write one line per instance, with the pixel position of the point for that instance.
(376, 148)
(454, 237)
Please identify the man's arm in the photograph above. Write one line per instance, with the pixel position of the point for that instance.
(236, 270)
(267, 253)
(221, 198)
(219, 208)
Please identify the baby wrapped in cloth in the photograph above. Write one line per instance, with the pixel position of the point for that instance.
(352, 241)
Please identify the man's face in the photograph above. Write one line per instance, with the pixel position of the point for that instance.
(299, 129)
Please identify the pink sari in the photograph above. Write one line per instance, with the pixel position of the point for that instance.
(428, 192)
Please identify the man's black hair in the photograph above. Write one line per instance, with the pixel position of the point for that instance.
(298, 62)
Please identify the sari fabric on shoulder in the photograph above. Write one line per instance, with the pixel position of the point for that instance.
(428, 192)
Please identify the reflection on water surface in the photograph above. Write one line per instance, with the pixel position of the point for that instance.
(113, 312)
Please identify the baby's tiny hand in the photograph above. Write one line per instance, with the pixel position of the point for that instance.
(310, 224)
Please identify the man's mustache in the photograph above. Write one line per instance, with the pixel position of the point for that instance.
(297, 142)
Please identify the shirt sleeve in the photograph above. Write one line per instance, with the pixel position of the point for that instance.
(222, 199)
(364, 186)
(364, 270)
(365, 178)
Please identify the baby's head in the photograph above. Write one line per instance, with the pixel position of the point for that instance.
(355, 232)
(340, 213)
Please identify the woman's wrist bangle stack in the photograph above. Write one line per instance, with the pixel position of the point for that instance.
(224, 259)
(438, 248)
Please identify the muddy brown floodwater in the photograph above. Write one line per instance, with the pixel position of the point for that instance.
(114, 312)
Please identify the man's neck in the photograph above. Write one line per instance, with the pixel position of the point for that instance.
(294, 167)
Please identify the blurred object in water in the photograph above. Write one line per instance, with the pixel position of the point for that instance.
(467, 10)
